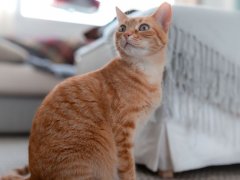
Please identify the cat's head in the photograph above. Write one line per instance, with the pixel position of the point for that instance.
(143, 36)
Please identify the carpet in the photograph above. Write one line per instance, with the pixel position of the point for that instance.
(231, 172)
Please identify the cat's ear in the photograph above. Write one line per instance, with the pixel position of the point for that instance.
(163, 15)
(120, 15)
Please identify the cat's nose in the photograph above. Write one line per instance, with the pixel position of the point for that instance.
(127, 34)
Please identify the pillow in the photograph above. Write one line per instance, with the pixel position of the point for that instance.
(12, 52)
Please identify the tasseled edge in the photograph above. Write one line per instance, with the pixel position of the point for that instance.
(203, 72)
(201, 88)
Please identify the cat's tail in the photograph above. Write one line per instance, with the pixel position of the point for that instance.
(18, 174)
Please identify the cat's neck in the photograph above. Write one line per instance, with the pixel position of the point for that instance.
(152, 65)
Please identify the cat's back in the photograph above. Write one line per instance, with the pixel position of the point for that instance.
(70, 100)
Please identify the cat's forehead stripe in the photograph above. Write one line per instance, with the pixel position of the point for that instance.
(134, 21)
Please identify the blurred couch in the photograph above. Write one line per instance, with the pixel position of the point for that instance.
(22, 88)
(198, 124)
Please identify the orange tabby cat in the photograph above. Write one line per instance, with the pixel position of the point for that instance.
(84, 128)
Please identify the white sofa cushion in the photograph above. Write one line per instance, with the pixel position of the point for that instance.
(22, 79)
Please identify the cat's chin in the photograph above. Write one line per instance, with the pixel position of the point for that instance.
(136, 53)
(132, 50)
(128, 45)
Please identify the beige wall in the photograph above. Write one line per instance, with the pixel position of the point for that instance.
(223, 4)
(186, 1)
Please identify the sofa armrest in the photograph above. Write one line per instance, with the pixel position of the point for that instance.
(11, 52)
(94, 56)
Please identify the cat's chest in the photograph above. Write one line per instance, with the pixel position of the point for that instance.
(142, 99)
(152, 100)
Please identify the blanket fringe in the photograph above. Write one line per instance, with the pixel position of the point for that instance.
(202, 86)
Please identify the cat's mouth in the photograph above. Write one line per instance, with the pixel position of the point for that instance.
(127, 44)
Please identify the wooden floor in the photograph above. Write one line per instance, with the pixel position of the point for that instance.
(231, 172)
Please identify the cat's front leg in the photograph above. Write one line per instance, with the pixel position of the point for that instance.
(126, 162)
(126, 166)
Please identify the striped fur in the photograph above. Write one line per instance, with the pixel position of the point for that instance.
(85, 126)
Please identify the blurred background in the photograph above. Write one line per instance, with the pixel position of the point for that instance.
(32, 18)
(44, 41)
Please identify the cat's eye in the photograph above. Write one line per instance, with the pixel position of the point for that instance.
(122, 28)
(144, 27)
